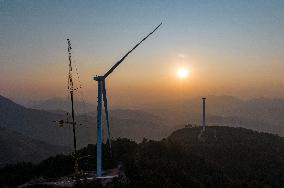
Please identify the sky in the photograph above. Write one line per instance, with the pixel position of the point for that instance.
(228, 47)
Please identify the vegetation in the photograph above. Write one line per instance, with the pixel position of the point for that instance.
(224, 157)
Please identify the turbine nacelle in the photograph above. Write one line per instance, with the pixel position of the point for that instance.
(99, 78)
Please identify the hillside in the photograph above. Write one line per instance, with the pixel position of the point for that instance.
(228, 157)
(15, 147)
(36, 124)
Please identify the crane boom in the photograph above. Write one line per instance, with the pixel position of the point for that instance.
(122, 59)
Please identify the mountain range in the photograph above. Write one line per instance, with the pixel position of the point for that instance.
(261, 114)
(152, 122)
(58, 105)
(40, 125)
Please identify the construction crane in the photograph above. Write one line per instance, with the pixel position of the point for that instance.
(61, 123)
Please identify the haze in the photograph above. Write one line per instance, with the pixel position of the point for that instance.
(229, 48)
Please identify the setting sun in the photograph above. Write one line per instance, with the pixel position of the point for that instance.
(182, 72)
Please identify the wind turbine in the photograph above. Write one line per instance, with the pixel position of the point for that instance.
(102, 96)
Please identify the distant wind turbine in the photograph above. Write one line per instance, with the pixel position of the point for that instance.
(102, 95)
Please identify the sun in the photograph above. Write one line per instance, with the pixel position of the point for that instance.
(182, 73)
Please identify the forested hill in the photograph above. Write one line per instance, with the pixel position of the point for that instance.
(242, 155)
(221, 135)
(220, 157)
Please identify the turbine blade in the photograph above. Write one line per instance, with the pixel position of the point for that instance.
(106, 112)
(122, 59)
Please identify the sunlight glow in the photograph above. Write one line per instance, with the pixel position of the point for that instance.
(182, 73)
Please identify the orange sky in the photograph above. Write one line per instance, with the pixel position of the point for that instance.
(229, 48)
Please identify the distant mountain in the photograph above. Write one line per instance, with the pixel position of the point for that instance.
(260, 114)
(136, 124)
(15, 147)
(60, 104)
(38, 124)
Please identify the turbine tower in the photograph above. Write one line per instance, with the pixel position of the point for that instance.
(102, 96)
(203, 115)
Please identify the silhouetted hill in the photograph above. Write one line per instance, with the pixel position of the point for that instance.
(222, 157)
(240, 153)
(15, 147)
(219, 135)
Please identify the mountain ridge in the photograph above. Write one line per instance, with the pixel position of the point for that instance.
(39, 124)
(16, 147)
